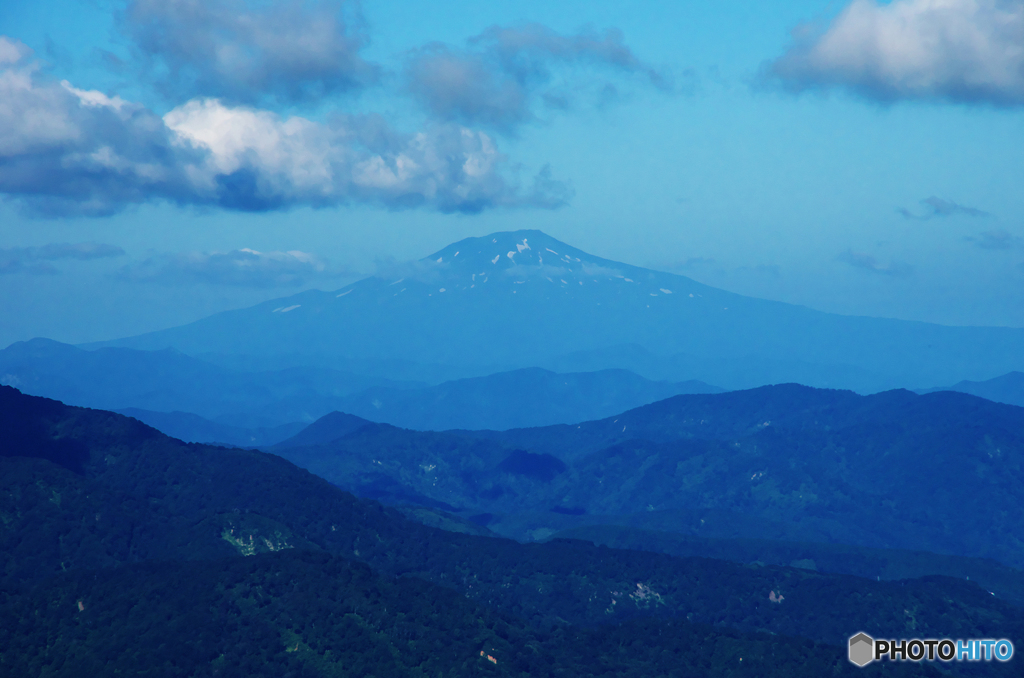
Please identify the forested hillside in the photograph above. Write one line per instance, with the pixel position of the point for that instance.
(86, 489)
(942, 472)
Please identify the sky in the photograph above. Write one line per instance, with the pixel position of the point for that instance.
(162, 160)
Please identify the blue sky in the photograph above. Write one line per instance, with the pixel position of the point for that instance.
(860, 158)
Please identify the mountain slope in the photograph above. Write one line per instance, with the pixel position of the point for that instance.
(197, 401)
(138, 495)
(168, 381)
(1008, 388)
(527, 397)
(889, 564)
(310, 615)
(793, 407)
(191, 428)
(941, 472)
(522, 299)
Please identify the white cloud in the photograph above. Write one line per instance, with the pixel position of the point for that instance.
(66, 150)
(11, 51)
(955, 50)
(285, 160)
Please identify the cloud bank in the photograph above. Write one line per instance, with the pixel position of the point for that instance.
(68, 151)
(968, 51)
(869, 263)
(36, 259)
(242, 268)
(997, 239)
(245, 52)
(937, 207)
(506, 73)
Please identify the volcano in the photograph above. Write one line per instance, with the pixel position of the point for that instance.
(524, 299)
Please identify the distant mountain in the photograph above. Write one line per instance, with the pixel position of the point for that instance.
(1008, 388)
(326, 429)
(523, 299)
(197, 401)
(790, 407)
(169, 381)
(942, 472)
(85, 491)
(192, 428)
(521, 398)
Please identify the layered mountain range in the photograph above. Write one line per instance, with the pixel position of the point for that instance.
(523, 299)
(125, 552)
(198, 401)
(940, 472)
(509, 386)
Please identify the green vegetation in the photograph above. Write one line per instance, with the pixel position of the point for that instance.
(148, 531)
(305, 615)
(890, 471)
(1005, 582)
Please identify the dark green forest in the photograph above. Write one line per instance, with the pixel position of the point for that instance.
(895, 471)
(300, 613)
(121, 552)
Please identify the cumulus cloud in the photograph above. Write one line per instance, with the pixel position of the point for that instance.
(937, 207)
(66, 150)
(12, 51)
(243, 51)
(505, 73)
(69, 151)
(36, 259)
(244, 267)
(997, 239)
(969, 51)
(256, 160)
(870, 263)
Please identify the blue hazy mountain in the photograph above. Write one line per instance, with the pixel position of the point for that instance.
(789, 407)
(196, 401)
(1008, 388)
(940, 472)
(520, 398)
(522, 299)
(169, 381)
(327, 429)
(192, 428)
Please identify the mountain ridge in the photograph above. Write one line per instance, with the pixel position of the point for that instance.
(890, 470)
(530, 396)
(141, 496)
(198, 401)
(1007, 388)
(521, 299)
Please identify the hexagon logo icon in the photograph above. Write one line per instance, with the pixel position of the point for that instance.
(862, 649)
